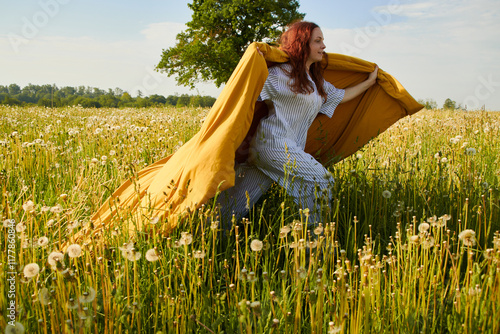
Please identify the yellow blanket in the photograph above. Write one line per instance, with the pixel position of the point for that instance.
(205, 164)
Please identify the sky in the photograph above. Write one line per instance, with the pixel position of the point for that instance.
(437, 49)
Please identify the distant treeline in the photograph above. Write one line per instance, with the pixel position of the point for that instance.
(88, 97)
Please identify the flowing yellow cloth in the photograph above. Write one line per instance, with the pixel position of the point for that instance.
(205, 164)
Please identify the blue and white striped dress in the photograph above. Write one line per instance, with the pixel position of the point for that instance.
(277, 149)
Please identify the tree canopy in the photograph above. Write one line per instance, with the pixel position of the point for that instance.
(219, 33)
(88, 97)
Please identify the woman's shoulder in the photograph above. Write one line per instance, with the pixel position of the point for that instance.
(280, 69)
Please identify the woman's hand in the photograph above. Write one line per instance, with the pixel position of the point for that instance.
(372, 78)
(354, 91)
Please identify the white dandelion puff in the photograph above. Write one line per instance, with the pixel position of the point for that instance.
(74, 250)
(186, 238)
(87, 296)
(29, 206)
(423, 227)
(17, 328)
(256, 245)
(386, 194)
(468, 237)
(152, 255)
(31, 270)
(44, 296)
(54, 258)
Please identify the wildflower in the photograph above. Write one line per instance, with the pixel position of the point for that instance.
(470, 151)
(284, 231)
(319, 230)
(432, 220)
(73, 224)
(17, 328)
(151, 255)
(214, 225)
(44, 296)
(312, 244)
(104, 158)
(74, 250)
(94, 161)
(302, 273)
(199, 254)
(131, 255)
(332, 329)
(386, 194)
(112, 152)
(8, 222)
(444, 160)
(87, 296)
(256, 245)
(359, 156)
(63, 196)
(251, 277)
(54, 258)
(186, 238)
(72, 304)
(45, 209)
(414, 239)
(423, 227)
(154, 220)
(468, 237)
(454, 140)
(20, 227)
(31, 270)
(56, 209)
(29, 206)
(428, 242)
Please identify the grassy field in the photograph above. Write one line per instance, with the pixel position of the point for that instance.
(412, 243)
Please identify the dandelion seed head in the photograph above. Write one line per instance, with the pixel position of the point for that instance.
(20, 227)
(44, 296)
(319, 229)
(152, 255)
(423, 227)
(29, 206)
(154, 220)
(18, 328)
(56, 209)
(256, 245)
(74, 250)
(199, 254)
(87, 296)
(386, 194)
(186, 238)
(468, 237)
(54, 258)
(31, 270)
(470, 151)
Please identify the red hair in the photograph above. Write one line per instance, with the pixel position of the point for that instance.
(295, 42)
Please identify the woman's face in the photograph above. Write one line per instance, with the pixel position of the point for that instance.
(316, 46)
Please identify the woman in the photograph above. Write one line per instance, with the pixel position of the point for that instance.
(295, 93)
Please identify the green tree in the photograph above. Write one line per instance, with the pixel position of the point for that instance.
(429, 104)
(449, 104)
(219, 33)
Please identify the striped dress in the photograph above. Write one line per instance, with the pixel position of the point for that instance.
(277, 149)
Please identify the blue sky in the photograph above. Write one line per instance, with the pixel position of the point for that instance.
(437, 49)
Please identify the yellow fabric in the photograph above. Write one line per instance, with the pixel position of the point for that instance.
(205, 164)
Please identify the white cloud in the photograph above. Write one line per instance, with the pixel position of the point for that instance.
(76, 61)
(437, 49)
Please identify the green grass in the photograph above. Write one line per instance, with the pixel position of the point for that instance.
(410, 243)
